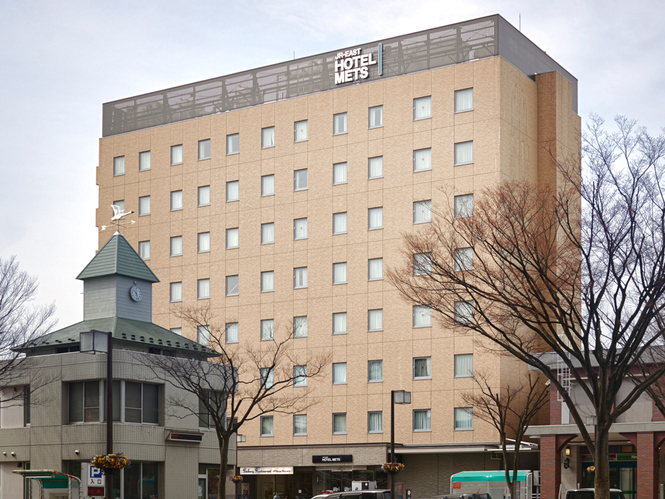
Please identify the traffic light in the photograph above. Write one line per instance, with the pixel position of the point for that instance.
(96, 491)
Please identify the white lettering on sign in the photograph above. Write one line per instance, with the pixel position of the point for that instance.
(94, 476)
(352, 65)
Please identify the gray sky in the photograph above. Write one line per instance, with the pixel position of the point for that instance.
(59, 61)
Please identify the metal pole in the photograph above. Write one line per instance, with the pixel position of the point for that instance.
(237, 469)
(392, 442)
(109, 411)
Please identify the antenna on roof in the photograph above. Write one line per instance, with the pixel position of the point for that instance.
(520, 22)
(118, 217)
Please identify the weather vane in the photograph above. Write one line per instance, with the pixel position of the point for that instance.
(118, 217)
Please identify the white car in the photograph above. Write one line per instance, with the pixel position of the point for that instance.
(590, 494)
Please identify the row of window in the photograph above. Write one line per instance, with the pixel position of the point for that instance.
(132, 402)
(422, 109)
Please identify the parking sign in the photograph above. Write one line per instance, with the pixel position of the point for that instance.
(93, 476)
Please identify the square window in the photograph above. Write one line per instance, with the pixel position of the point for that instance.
(300, 424)
(268, 185)
(422, 108)
(120, 204)
(268, 137)
(203, 286)
(267, 329)
(232, 238)
(144, 161)
(339, 373)
(267, 281)
(422, 264)
(422, 212)
(267, 377)
(375, 167)
(339, 323)
(176, 200)
(463, 153)
(118, 166)
(267, 426)
(375, 371)
(375, 422)
(204, 149)
(300, 327)
(422, 420)
(463, 259)
(232, 191)
(375, 218)
(464, 206)
(339, 173)
(300, 277)
(300, 180)
(300, 228)
(422, 368)
(204, 195)
(339, 273)
(375, 117)
(422, 316)
(375, 269)
(233, 144)
(463, 312)
(232, 283)
(299, 376)
(176, 155)
(204, 242)
(176, 246)
(339, 423)
(176, 292)
(422, 160)
(464, 418)
(300, 131)
(267, 233)
(464, 100)
(464, 365)
(339, 223)
(144, 250)
(144, 206)
(339, 123)
(231, 330)
(177, 330)
(375, 320)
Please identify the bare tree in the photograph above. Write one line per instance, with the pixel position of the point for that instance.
(244, 383)
(578, 271)
(510, 409)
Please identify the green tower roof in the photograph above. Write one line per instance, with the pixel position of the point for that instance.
(117, 257)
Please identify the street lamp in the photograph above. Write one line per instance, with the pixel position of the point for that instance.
(239, 438)
(396, 397)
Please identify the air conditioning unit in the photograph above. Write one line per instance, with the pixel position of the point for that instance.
(496, 456)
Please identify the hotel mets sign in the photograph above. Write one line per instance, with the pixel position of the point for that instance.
(352, 65)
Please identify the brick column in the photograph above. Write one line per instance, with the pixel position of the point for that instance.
(550, 464)
(647, 465)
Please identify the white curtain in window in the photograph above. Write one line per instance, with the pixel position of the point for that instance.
(375, 370)
(422, 212)
(233, 191)
(376, 268)
(300, 424)
(339, 423)
(339, 223)
(232, 143)
(176, 200)
(464, 206)
(422, 420)
(144, 205)
(121, 205)
(339, 173)
(339, 322)
(375, 320)
(463, 312)
(422, 316)
(144, 250)
(300, 277)
(463, 153)
(204, 288)
(176, 291)
(232, 332)
(267, 329)
(375, 218)
(463, 100)
(266, 425)
(422, 108)
(204, 195)
(375, 116)
(232, 282)
(268, 185)
(176, 246)
(464, 365)
(268, 137)
(300, 180)
(463, 418)
(232, 238)
(267, 233)
(203, 333)
(176, 155)
(375, 422)
(339, 273)
(300, 327)
(299, 375)
(204, 149)
(119, 165)
(339, 373)
(339, 123)
(300, 131)
(463, 259)
(422, 264)
(267, 281)
(422, 367)
(376, 167)
(204, 242)
(422, 160)
(144, 161)
(300, 228)
(268, 376)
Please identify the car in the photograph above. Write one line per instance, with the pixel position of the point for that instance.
(464, 496)
(356, 494)
(590, 494)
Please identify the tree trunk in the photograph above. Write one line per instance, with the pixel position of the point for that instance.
(601, 480)
(224, 461)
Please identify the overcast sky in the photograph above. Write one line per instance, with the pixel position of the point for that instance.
(60, 60)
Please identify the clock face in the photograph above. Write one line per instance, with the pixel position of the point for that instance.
(135, 293)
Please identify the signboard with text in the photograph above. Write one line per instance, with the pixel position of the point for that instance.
(343, 458)
(267, 470)
(92, 476)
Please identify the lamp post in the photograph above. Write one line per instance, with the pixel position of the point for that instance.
(102, 342)
(239, 438)
(396, 397)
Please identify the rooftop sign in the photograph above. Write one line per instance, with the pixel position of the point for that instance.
(353, 65)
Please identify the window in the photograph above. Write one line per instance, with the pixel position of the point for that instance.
(300, 327)
(463, 312)
(464, 418)
(464, 206)
(203, 335)
(375, 218)
(422, 316)
(339, 173)
(375, 320)
(233, 144)
(464, 365)
(209, 402)
(120, 204)
(176, 291)
(339, 323)
(463, 153)
(375, 269)
(231, 330)
(422, 108)
(203, 288)
(375, 117)
(204, 149)
(375, 167)
(141, 403)
(300, 180)
(232, 238)
(267, 281)
(176, 200)
(118, 166)
(422, 368)
(267, 329)
(267, 426)
(139, 400)
(176, 246)
(268, 137)
(144, 161)
(300, 228)
(339, 273)
(375, 422)
(299, 375)
(176, 155)
(232, 191)
(464, 100)
(144, 206)
(339, 123)
(204, 242)
(300, 277)
(463, 259)
(339, 373)
(422, 212)
(375, 371)
(422, 420)
(204, 195)
(300, 131)
(144, 250)
(268, 185)
(422, 160)
(267, 377)
(300, 424)
(232, 285)
(339, 423)
(267, 233)
(339, 223)
(177, 330)
(84, 402)
(422, 264)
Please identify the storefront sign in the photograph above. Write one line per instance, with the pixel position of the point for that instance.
(352, 65)
(267, 470)
(344, 458)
